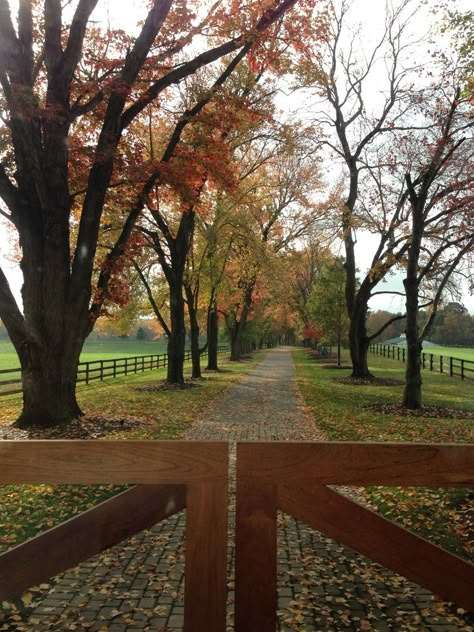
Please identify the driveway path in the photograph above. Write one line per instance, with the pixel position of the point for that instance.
(323, 586)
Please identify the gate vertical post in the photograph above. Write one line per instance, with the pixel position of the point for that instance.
(255, 548)
(205, 586)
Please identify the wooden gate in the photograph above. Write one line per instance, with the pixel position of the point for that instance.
(294, 477)
(171, 476)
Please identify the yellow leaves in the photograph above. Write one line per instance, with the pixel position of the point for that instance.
(27, 598)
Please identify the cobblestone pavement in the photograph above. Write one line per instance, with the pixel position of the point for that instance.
(138, 585)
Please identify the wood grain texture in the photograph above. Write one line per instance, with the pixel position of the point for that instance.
(339, 463)
(116, 462)
(86, 534)
(255, 552)
(381, 540)
(206, 557)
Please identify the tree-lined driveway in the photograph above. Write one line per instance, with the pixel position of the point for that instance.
(322, 585)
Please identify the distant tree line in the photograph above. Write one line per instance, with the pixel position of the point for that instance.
(453, 326)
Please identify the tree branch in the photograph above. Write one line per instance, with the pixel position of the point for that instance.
(204, 59)
(387, 324)
(10, 314)
(9, 194)
(151, 299)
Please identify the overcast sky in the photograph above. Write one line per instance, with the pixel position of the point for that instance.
(371, 14)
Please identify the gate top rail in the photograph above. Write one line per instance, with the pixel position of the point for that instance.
(115, 462)
(362, 463)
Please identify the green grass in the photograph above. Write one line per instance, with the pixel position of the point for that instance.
(340, 410)
(466, 353)
(94, 350)
(26, 510)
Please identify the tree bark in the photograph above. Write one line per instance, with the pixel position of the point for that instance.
(236, 349)
(237, 327)
(212, 336)
(49, 385)
(358, 340)
(177, 337)
(412, 393)
(413, 382)
(194, 330)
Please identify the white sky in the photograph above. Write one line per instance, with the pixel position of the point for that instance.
(370, 14)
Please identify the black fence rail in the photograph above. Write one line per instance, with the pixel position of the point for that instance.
(454, 367)
(13, 379)
(103, 369)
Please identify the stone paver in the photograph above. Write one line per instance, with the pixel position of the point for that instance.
(138, 585)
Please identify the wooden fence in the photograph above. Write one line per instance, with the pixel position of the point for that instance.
(454, 367)
(293, 477)
(104, 369)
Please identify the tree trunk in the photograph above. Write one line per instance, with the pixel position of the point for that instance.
(359, 342)
(212, 337)
(177, 337)
(194, 327)
(49, 387)
(236, 332)
(413, 382)
(236, 342)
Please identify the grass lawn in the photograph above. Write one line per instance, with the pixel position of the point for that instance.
(94, 350)
(29, 509)
(466, 353)
(340, 410)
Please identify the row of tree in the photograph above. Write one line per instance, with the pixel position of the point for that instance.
(161, 164)
(118, 150)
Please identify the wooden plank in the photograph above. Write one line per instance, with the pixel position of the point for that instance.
(86, 534)
(381, 540)
(117, 462)
(255, 552)
(4, 371)
(14, 392)
(16, 380)
(339, 463)
(206, 557)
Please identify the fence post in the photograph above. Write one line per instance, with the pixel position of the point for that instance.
(101, 370)
(115, 367)
(423, 358)
(431, 361)
(440, 363)
(451, 366)
(462, 369)
(87, 372)
(403, 354)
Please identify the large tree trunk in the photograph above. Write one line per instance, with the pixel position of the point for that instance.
(49, 373)
(359, 341)
(212, 337)
(49, 394)
(413, 382)
(177, 337)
